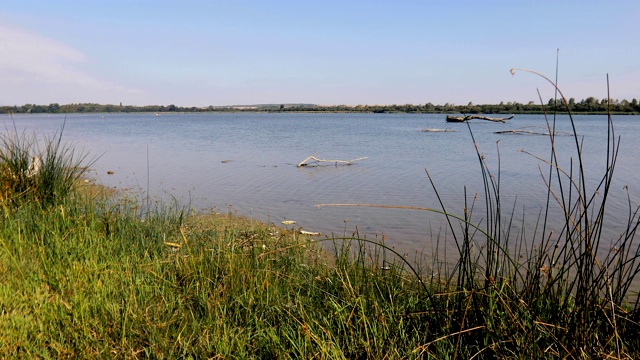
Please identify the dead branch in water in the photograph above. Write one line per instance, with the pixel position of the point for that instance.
(317, 161)
(451, 118)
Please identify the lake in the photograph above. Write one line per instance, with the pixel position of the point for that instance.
(246, 163)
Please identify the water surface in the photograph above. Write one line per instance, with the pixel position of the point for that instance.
(246, 163)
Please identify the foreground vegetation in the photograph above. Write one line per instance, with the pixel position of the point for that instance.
(85, 274)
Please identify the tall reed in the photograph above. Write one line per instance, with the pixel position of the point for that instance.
(41, 170)
(562, 292)
(559, 289)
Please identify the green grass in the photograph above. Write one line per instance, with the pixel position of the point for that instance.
(84, 275)
(82, 280)
(34, 169)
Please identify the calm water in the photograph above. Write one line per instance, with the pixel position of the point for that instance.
(246, 163)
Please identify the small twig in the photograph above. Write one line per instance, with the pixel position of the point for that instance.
(424, 347)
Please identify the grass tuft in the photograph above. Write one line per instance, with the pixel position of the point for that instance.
(41, 170)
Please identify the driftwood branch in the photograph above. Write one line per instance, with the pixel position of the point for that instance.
(451, 118)
(306, 161)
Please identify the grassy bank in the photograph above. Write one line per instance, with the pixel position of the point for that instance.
(89, 275)
(85, 279)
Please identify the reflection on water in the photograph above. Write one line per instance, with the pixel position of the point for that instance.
(247, 163)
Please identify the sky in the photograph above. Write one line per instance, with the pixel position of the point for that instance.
(346, 52)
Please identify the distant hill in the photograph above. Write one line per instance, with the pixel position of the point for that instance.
(268, 106)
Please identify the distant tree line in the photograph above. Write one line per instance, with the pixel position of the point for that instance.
(93, 108)
(589, 105)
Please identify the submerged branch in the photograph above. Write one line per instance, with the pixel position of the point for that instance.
(529, 130)
(438, 130)
(316, 160)
(382, 206)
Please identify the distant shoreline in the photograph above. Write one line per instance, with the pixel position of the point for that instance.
(328, 111)
(589, 106)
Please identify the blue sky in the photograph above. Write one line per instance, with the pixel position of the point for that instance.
(200, 53)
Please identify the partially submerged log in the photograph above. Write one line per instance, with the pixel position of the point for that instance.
(438, 130)
(314, 161)
(532, 130)
(451, 118)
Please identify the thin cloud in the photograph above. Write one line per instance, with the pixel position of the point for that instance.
(30, 60)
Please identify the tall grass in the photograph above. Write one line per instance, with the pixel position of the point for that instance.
(92, 280)
(560, 289)
(34, 169)
(564, 293)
